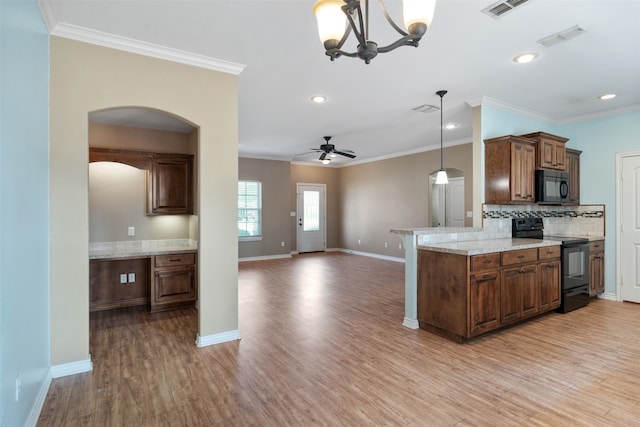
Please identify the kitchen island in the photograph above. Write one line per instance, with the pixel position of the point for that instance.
(158, 273)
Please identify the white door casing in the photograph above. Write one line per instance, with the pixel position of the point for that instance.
(628, 213)
(311, 217)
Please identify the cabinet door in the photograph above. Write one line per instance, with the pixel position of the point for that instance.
(552, 154)
(171, 187)
(106, 290)
(549, 286)
(174, 285)
(519, 293)
(523, 162)
(573, 169)
(596, 274)
(484, 302)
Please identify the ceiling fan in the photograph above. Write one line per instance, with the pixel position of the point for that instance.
(329, 150)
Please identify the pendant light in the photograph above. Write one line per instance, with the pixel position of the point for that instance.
(441, 178)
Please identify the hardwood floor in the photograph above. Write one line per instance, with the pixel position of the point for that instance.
(322, 344)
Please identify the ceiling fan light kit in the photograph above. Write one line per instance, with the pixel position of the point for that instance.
(329, 151)
(337, 18)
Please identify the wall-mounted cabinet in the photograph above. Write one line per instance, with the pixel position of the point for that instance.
(169, 177)
(573, 169)
(509, 170)
(550, 150)
(170, 186)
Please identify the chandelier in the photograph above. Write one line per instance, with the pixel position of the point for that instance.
(337, 18)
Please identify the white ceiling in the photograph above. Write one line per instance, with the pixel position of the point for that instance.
(369, 107)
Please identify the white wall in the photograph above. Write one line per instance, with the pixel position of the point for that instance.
(24, 210)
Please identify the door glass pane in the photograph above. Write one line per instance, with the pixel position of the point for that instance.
(311, 201)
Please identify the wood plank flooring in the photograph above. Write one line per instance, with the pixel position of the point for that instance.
(322, 344)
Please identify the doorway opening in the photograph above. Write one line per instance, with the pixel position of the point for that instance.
(447, 200)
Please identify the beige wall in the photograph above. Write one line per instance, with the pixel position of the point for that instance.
(376, 197)
(302, 174)
(118, 192)
(87, 78)
(274, 176)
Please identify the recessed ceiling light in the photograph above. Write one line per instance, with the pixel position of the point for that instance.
(451, 126)
(607, 96)
(525, 57)
(318, 98)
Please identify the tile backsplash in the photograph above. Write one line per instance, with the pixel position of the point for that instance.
(583, 220)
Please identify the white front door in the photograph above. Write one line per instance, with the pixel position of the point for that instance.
(311, 217)
(629, 214)
(455, 203)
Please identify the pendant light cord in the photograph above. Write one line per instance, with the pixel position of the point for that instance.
(441, 94)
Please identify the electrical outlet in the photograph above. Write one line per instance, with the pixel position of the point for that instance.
(359, 242)
(131, 231)
(399, 246)
(18, 386)
(132, 277)
(386, 244)
(282, 244)
(123, 278)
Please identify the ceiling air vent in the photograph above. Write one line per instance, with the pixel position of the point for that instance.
(562, 36)
(496, 10)
(426, 108)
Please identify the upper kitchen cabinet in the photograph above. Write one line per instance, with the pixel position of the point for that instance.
(170, 188)
(550, 150)
(573, 169)
(509, 170)
(169, 177)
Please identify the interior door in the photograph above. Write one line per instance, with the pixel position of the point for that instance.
(454, 212)
(311, 217)
(629, 212)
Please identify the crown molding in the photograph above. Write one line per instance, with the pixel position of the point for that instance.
(600, 115)
(126, 44)
(524, 112)
(48, 11)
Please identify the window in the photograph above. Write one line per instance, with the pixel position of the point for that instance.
(249, 209)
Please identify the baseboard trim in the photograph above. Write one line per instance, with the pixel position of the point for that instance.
(71, 368)
(38, 404)
(217, 338)
(264, 258)
(410, 323)
(369, 254)
(609, 296)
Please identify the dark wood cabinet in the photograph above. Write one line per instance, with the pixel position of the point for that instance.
(573, 169)
(174, 281)
(550, 150)
(464, 296)
(170, 187)
(106, 290)
(509, 170)
(596, 267)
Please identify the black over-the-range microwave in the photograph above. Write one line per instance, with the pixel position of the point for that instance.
(552, 187)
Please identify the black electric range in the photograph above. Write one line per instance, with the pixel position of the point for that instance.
(575, 261)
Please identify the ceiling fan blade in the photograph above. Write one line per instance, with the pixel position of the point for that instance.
(342, 153)
(322, 156)
(307, 152)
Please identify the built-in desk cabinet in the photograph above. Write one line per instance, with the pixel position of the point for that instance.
(169, 177)
(174, 281)
(596, 267)
(463, 296)
(106, 290)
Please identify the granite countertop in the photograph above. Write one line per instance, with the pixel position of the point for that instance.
(477, 247)
(435, 230)
(140, 248)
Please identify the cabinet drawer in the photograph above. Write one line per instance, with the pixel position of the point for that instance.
(485, 262)
(520, 256)
(174, 260)
(596, 246)
(550, 252)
